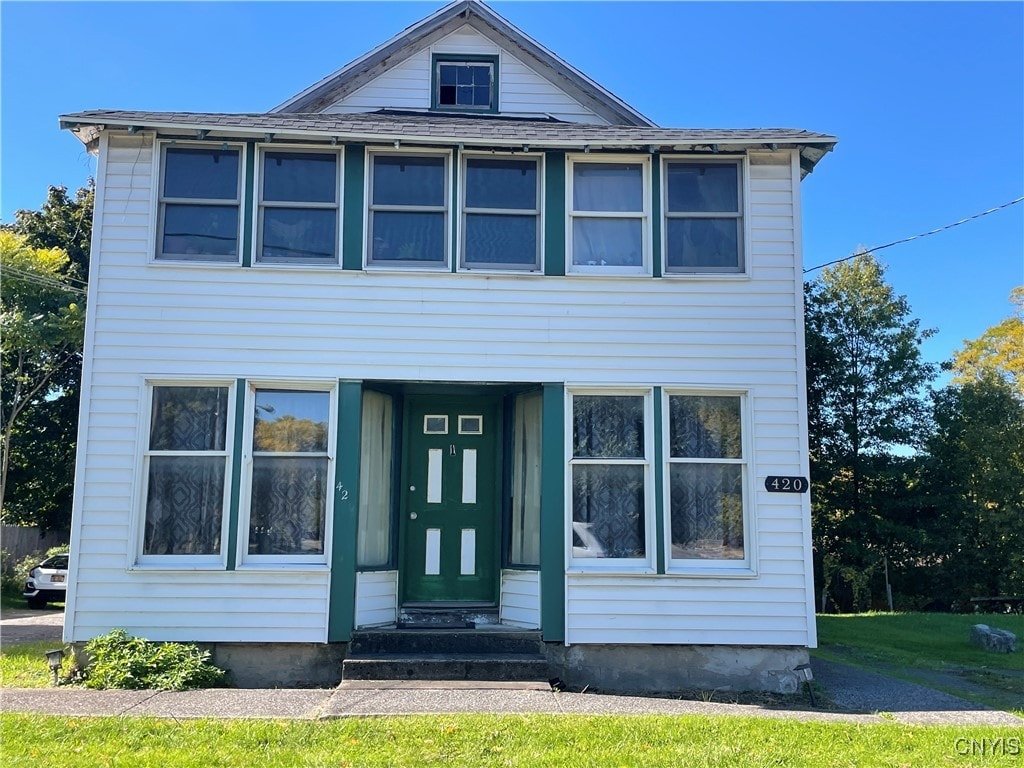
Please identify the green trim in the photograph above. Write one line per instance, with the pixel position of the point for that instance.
(554, 213)
(456, 214)
(341, 614)
(236, 474)
(659, 486)
(248, 202)
(352, 211)
(656, 216)
(467, 57)
(552, 513)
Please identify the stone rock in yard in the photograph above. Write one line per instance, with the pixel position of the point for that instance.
(990, 639)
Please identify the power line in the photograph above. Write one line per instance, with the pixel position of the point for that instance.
(43, 280)
(915, 237)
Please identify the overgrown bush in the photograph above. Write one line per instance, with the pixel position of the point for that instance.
(118, 660)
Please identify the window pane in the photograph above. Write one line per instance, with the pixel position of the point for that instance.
(449, 73)
(299, 233)
(399, 236)
(607, 242)
(703, 188)
(608, 511)
(705, 427)
(526, 481)
(204, 174)
(408, 180)
(703, 243)
(289, 503)
(608, 187)
(306, 177)
(501, 183)
(290, 421)
(606, 427)
(189, 419)
(501, 239)
(184, 504)
(375, 481)
(200, 230)
(707, 511)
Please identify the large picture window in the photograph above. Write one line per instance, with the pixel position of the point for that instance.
(185, 472)
(501, 213)
(408, 210)
(298, 207)
(706, 480)
(289, 480)
(609, 477)
(609, 216)
(703, 217)
(199, 203)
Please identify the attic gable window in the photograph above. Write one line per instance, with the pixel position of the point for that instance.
(200, 200)
(465, 83)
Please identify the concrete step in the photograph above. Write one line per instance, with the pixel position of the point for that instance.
(495, 642)
(430, 666)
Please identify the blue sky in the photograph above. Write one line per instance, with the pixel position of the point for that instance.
(927, 100)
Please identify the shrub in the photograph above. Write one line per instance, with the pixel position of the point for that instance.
(118, 660)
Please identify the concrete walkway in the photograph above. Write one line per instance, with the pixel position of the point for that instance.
(365, 698)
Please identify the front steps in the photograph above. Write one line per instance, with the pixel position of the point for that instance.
(445, 654)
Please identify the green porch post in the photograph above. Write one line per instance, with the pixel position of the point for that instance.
(552, 514)
(341, 616)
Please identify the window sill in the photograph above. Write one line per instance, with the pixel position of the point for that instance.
(176, 567)
(711, 573)
(610, 570)
(287, 567)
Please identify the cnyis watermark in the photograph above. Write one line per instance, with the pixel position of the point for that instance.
(998, 746)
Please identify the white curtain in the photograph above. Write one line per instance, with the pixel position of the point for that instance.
(526, 481)
(374, 535)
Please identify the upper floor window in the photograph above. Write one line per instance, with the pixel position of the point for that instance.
(298, 214)
(408, 210)
(609, 216)
(465, 83)
(199, 203)
(501, 213)
(703, 216)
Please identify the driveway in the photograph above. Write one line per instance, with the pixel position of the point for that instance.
(21, 625)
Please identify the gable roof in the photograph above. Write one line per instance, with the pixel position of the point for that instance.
(442, 23)
(419, 129)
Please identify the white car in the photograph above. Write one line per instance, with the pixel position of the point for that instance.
(47, 582)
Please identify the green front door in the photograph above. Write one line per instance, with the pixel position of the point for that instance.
(451, 506)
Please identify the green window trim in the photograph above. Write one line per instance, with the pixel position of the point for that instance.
(554, 219)
(342, 603)
(353, 205)
(552, 513)
(236, 474)
(469, 58)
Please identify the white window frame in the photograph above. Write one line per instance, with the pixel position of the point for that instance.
(538, 266)
(743, 240)
(645, 564)
(137, 558)
(337, 206)
(369, 208)
(748, 565)
(243, 559)
(160, 201)
(644, 215)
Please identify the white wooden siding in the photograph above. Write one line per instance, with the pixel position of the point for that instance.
(376, 598)
(522, 92)
(179, 320)
(520, 599)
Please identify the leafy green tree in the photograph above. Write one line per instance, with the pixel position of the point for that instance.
(975, 479)
(41, 330)
(999, 351)
(63, 223)
(865, 376)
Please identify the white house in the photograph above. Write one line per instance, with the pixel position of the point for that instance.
(454, 334)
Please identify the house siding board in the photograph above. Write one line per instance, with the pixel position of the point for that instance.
(376, 598)
(520, 598)
(522, 92)
(171, 320)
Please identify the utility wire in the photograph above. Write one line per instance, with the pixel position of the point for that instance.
(915, 237)
(42, 280)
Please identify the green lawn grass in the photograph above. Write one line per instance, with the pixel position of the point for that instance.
(930, 648)
(491, 740)
(24, 665)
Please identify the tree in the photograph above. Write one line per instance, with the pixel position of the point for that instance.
(865, 374)
(975, 479)
(41, 330)
(999, 351)
(61, 223)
